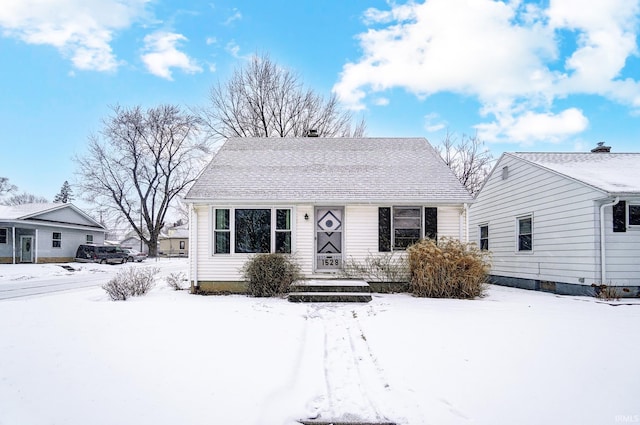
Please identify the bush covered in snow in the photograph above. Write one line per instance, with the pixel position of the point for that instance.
(174, 280)
(131, 282)
(269, 275)
(448, 269)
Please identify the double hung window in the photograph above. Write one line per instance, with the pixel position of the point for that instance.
(525, 233)
(401, 227)
(484, 237)
(4, 235)
(56, 240)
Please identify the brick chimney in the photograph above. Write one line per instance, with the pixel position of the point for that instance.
(601, 148)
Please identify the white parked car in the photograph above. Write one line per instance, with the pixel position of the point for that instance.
(134, 255)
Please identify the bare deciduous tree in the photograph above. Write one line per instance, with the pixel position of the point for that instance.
(262, 99)
(469, 159)
(139, 164)
(6, 187)
(24, 198)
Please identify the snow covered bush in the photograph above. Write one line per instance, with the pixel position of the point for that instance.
(448, 269)
(131, 282)
(386, 267)
(174, 280)
(269, 275)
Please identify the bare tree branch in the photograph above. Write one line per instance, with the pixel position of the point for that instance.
(262, 99)
(468, 158)
(141, 162)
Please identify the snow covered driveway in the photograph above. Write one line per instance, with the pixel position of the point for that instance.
(76, 358)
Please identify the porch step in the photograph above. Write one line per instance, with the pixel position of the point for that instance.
(318, 290)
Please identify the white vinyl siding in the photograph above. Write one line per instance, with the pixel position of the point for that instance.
(360, 239)
(566, 228)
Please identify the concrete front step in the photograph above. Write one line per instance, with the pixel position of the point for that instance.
(327, 297)
(319, 290)
(314, 422)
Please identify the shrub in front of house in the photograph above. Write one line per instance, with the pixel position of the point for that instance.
(269, 275)
(391, 268)
(131, 282)
(447, 269)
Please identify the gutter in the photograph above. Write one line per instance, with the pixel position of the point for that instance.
(603, 245)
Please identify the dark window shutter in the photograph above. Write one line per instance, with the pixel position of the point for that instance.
(431, 223)
(384, 229)
(620, 217)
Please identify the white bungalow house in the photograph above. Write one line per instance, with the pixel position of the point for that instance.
(562, 222)
(44, 233)
(324, 200)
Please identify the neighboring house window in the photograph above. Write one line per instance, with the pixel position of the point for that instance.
(222, 232)
(484, 237)
(634, 215)
(283, 231)
(252, 230)
(4, 236)
(182, 244)
(620, 217)
(89, 238)
(525, 233)
(56, 240)
(400, 227)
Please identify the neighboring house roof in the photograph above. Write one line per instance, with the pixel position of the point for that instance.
(328, 170)
(44, 212)
(614, 173)
(176, 233)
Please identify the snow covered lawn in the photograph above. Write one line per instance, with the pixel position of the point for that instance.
(514, 357)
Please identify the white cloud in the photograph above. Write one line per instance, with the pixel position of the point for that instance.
(162, 55)
(81, 29)
(434, 123)
(235, 16)
(381, 101)
(506, 54)
(530, 127)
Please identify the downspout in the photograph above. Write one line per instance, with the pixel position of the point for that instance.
(35, 249)
(466, 227)
(603, 253)
(193, 253)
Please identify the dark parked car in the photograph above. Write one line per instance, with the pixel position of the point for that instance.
(134, 255)
(103, 254)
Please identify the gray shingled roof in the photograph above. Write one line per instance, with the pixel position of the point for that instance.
(311, 169)
(614, 173)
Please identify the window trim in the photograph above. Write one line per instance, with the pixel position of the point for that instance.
(629, 224)
(517, 233)
(480, 238)
(54, 240)
(232, 228)
(389, 229)
(6, 235)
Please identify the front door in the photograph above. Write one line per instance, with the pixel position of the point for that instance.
(26, 249)
(329, 228)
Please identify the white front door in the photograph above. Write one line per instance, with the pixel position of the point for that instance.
(329, 238)
(26, 249)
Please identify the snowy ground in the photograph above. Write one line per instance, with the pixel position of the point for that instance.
(514, 357)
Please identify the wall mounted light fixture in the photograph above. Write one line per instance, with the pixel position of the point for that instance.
(306, 216)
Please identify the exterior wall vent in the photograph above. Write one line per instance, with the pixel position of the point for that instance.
(505, 172)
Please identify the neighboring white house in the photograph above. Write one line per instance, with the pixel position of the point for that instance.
(43, 233)
(552, 220)
(325, 200)
(174, 242)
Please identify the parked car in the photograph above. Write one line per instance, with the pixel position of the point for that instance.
(103, 254)
(134, 255)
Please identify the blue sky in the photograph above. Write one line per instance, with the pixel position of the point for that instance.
(549, 75)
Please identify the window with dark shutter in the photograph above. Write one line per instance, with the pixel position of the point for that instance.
(620, 217)
(384, 229)
(431, 223)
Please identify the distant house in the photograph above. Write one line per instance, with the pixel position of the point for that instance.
(175, 242)
(562, 222)
(132, 240)
(45, 233)
(325, 200)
